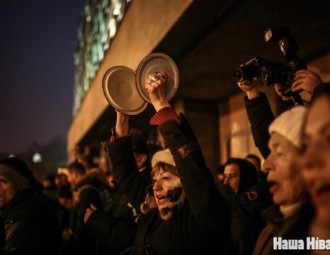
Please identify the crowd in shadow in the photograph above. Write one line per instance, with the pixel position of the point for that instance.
(169, 202)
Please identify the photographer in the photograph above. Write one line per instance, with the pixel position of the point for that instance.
(292, 82)
(258, 109)
(259, 113)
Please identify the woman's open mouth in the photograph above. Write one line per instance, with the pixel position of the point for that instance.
(320, 193)
(273, 186)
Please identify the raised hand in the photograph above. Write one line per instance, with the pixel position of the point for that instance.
(251, 88)
(155, 86)
(306, 80)
(122, 125)
(280, 90)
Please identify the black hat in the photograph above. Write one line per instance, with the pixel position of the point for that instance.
(247, 172)
(16, 171)
(139, 143)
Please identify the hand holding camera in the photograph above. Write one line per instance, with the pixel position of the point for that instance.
(280, 91)
(251, 88)
(274, 73)
(306, 80)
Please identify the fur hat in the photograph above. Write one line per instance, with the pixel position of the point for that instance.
(289, 124)
(16, 171)
(163, 156)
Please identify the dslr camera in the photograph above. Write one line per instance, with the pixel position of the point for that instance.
(271, 73)
(250, 69)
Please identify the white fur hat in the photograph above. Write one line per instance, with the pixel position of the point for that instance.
(290, 124)
(162, 156)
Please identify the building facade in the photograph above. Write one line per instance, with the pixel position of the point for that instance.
(207, 39)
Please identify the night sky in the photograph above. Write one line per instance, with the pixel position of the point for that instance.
(37, 42)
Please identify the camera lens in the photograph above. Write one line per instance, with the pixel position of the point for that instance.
(265, 76)
(238, 74)
(290, 76)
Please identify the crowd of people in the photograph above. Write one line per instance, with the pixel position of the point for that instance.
(169, 202)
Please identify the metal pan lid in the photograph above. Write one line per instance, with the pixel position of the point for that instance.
(119, 88)
(153, 63)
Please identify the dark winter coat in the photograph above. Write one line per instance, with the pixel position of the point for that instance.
(201, 224)
(260, 117)
(87, 192)
(294, 227)
(116, 226)
(250, 202)
(31, 225)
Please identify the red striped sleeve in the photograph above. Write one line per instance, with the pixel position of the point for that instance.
(164, 114)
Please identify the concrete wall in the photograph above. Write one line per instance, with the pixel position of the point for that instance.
(235, 137)
(222, 134)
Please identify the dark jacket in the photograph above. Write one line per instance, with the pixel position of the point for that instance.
(31, 225)
(294, 227)
(250, 203)
(85, 193)
(201, 224)
(115, 227)
(260, 117)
